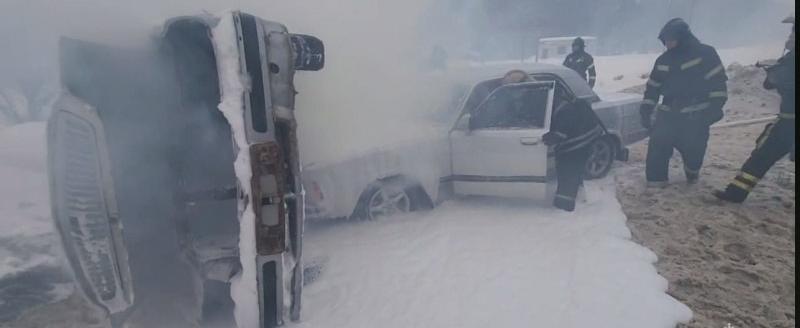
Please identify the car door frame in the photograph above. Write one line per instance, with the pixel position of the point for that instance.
(511, 183)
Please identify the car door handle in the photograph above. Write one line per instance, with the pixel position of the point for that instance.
(528, 141)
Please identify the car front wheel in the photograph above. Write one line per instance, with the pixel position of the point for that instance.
(601, 159)
(390, 197)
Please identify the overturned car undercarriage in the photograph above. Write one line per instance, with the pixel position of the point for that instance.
(147, 183)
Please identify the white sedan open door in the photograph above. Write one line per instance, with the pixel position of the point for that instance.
(497, 147)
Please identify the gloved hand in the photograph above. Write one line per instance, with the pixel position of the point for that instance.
(646, 113)
(712, 115)
(552, 138)
(647, 122)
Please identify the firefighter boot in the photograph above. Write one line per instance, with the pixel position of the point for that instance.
(657, 184)
(739, 188)
(564, 202)
(692, 178)
(732, 195)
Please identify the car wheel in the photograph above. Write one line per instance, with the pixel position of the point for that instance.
(601, 159)
(390, 197)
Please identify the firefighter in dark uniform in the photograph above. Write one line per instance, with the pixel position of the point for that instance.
(689, 78)
(582, 62)
(777, 140)
(572, 130)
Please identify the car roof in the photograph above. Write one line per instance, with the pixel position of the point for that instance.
(472, 75)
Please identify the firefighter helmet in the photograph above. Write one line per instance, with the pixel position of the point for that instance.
(578, 42)
(675, 29)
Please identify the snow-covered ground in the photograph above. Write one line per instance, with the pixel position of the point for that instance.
(468, 263)
(30, 266)
(24, 205)
(616, 73)
(488, 263)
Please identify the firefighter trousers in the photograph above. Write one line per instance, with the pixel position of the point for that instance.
(689, 137)
(775, 142)
(570, 167)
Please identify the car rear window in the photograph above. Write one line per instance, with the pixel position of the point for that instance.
(573, 81)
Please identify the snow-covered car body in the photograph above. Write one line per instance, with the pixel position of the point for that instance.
(145, 193)
(495, 162)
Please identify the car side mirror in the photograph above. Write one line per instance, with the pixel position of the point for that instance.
(462, 124)
(472, 123)
(309, 52)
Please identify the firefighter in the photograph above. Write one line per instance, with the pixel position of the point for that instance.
(777, 139)
(572, 130)
(582, 62)
(689, 78)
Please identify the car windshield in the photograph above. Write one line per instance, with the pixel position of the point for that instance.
(448, 109)
(515, 106)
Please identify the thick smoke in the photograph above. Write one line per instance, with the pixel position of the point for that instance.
(373, 87)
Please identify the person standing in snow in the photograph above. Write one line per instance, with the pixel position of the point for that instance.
(689, 78)
(573, 128)
(777, 140)
(582, 62)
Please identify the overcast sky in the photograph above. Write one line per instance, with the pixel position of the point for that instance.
(29, 29)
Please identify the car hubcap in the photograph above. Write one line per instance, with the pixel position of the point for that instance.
(600, 159)
(388, 201)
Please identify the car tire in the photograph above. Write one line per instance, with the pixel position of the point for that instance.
(601, 158)
(389, 197)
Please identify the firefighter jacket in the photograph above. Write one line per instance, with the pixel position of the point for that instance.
(574, 125)
(583, 63)
(781, 77)
(690, 81)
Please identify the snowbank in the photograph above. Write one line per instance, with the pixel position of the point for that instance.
(615, 73)
(482, 263)
(25, 223)
(635, 69)
(31, 271)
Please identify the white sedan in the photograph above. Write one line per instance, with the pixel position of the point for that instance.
(500, 157)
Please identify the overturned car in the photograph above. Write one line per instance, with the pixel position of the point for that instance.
(157, 160)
